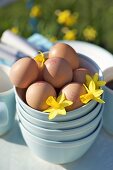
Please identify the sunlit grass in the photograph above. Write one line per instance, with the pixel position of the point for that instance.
(97, 14)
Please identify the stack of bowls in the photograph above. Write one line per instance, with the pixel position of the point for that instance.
(65, 138)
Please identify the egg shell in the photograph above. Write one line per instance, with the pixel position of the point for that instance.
(79, 75)
(24, 72)
(72, 92)
(65, 51)
(37, 94)
(41, 67)
(57, 71)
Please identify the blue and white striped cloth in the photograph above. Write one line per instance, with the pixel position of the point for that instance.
(8, 55)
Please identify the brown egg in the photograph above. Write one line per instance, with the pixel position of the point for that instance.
(24, 72)
(57, 71)
(41, 67)
(37, 94)
(79, 75)
(67, 52)
(21, 93)
(72, 92)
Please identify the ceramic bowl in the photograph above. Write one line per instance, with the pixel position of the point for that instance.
(7, 101)
(60, 125)
(84, 62)
(108, 110)
(44, 116)
(59, 152)
(62, 135)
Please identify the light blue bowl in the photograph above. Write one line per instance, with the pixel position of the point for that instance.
(108, 110)
(44, 116)
(84, 62)
(60, 125)
(7, 101)
(59, 152)
(62, 135)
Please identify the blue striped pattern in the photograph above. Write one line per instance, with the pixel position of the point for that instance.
(10, 55)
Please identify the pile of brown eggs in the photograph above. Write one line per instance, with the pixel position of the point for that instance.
(60, 73)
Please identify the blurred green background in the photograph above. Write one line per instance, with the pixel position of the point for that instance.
(86, 20)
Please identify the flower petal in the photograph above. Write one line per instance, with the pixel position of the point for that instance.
(99, 100)
(86, 98)
(95, 77)
(86, 88)
(101, 83)
(52, 102)
(88, 79)
(52, 114)
(61, 98)
(92, 86)
(40, 58)
(97, 93)
(66, 103)
(61, 111)
(50, 109)
(56, 112)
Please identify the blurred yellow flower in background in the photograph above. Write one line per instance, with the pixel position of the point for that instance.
(89, 33)
(53, 39)
(67, 18)
(15, 30)
(35, 11)
(70, 35)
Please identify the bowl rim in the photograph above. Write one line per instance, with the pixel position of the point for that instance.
(80, 119)
(58, 144)
(62, 132)
(45, 113)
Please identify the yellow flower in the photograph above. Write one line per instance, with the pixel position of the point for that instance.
(89, 33)
(92, 93)
(70, 35)
(35, 11)
(62, 16)
(15, 30)
(57, 106)
(40, 58)
(71, 20)
(96, 80)
(65, 17)
(53, 39)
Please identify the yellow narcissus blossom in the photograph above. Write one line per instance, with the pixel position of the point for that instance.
(53, 39)
(57, 106)
(92, 87)
(62, 16)
(89, 33)
(35, 11)
(40, 58)
(15, 30)
(95, 78)
(71, 20)
(70, 35)
(67, 18)
(92, 93)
